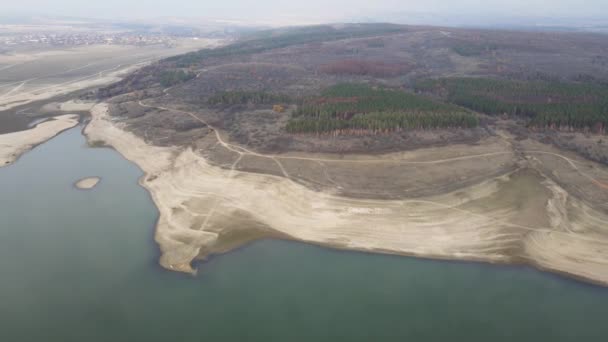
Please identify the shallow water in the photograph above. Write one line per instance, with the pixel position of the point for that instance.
(35, 122)
(81, 266)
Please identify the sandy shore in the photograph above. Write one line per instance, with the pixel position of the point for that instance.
(518, 217)
(87, 183)
(12, 145)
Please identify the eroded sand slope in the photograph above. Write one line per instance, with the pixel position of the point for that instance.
(521, 215)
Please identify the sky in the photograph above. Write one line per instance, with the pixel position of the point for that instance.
(321, 10)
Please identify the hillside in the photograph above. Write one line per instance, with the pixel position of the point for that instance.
(444, 143)
(276, 90)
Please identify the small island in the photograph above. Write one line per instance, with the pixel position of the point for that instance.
(87, 183)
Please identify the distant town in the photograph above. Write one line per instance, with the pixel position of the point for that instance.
(87, 38)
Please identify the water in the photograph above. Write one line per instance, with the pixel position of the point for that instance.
(81, 266)
(35, 122)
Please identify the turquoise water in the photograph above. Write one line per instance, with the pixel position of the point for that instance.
(81, 266)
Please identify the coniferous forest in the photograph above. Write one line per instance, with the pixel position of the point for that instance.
(172, 77)
(247, 97)
(362, 109)
(556, 105)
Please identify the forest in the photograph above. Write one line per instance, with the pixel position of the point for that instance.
(247, 97)
(365, 68)
(559, 105)
(172, 77)
(470, 49)
(363, 109)
(268, 40)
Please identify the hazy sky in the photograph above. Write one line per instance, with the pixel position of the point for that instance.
(321, 9)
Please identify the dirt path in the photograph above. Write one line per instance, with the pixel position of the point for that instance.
(242, 150)
(573, 163)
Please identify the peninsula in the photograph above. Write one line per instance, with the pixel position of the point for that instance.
(381, 138)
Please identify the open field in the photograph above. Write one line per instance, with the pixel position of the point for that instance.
(35, 76)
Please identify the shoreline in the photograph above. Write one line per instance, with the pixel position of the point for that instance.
(13, 145)
(562, 276)
(185, 232)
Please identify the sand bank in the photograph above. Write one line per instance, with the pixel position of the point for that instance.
(12, 145)
(518, 217)
(87, 183)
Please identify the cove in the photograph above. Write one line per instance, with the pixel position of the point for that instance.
(82, 266)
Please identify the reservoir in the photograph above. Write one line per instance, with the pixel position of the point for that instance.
(82, 266)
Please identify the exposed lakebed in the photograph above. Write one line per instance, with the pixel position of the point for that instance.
(80, 265)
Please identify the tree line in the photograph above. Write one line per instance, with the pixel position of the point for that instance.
(247, 97)
(383, 122)
(170, 78)
(560, 105)
(360, 108)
